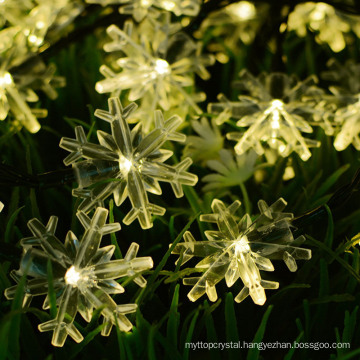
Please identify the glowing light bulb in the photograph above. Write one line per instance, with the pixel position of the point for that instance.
(125, 165)
(243, 10)
(168, 5)
(5, 79)
(282, 148)
(321, 10)
(242, 245)
(40, 24)
(145, 3)
(275, 124)
(72, 276)
(162, 67)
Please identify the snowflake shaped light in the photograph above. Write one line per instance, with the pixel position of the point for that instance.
(234, 25)
(139, 9)
(330, 26)
(157, 66)
(349, 118)
(18, 82)
(240, 249)
(344, 102)
(47, 19)
(83, 275)
(275, 113)
(133, 163)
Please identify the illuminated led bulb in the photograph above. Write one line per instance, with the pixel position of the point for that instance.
(162, 67)
(168, 5)
(5, 79)
(1, 206)
(242, 10)
(242, 245)
(320, 11)
(125, 165)
(72, 276)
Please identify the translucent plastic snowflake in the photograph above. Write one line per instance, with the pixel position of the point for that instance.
(240, 249)
(126, 163)
(17, 83)
(345, 78)
(345, 102)
(274, 112)
(230, 170)
(83, 275)
(349, 118)
(234, 24)
(139, 9)
(158, 65)
(330, 25)
(12, 11)
(207, 144)
(47, 19)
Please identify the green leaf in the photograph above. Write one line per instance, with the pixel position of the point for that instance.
(231, 327)
(331, 180)
(154, 275)
(189, 335)
(254, 353)
(11, 223)
(89, 337)
(174, 318)
(117, 253)
(51, 290)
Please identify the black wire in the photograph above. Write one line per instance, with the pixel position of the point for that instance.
(11, 176)
(340, 197)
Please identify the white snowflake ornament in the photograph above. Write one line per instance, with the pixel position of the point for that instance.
(126, 163)
(274, 113)
(83, 275)
(140, 9)
(157, 66)
(241, 249)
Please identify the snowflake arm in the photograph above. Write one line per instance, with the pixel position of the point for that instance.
(133, 163)
(17, 83)
(139, 9)
(83, 275)
(240, 249)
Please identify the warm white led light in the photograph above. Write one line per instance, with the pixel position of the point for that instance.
(125, 165)
(243, 10)
(5, 79)
(72, 276)
(242, 245)
(168, 5)
(40, 24)
(162, 67)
